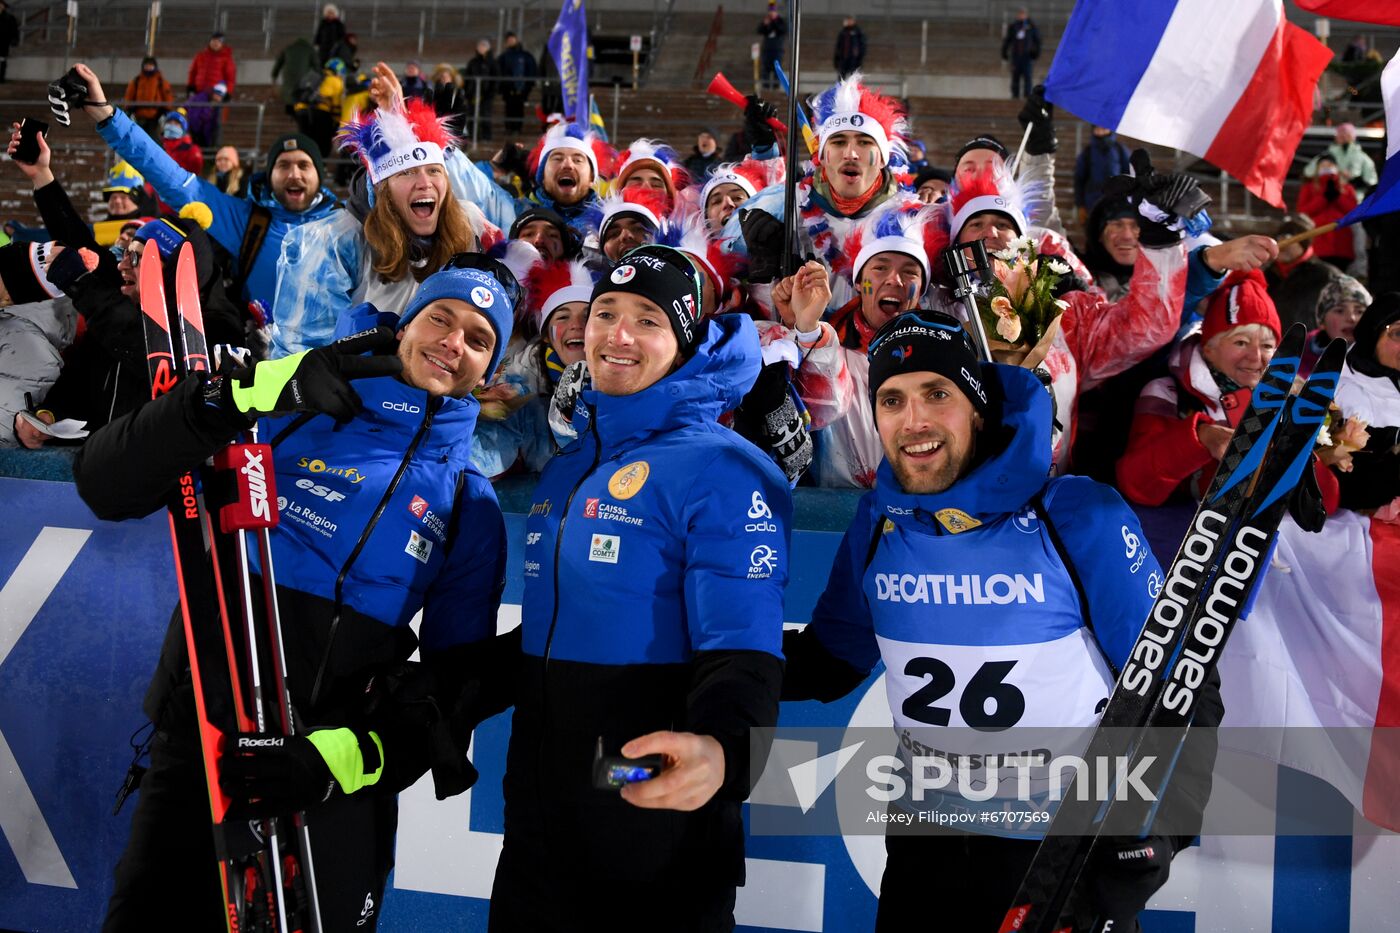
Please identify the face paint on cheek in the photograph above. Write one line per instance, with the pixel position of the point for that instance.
(913, 294)
(872, 158)
(866, 288)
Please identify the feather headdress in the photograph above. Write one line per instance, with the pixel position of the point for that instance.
(850, 106)
(556, 283)
(910, 228)
(571, 136)
(752, 175)
(393, 140)
(656, 155)
(648, 204)
(992, 189)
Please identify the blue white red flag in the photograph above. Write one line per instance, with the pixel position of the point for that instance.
(1230, 82)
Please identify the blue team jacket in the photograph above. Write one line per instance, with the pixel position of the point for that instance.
(998, 586)
(663, 533)
(391, 502)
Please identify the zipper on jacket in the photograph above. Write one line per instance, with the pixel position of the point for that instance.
(558, 546)
(360, 545)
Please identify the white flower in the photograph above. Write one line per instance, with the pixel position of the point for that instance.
(1324, 437)
(1005, 255)
(1057, 267)
(1061, 304)
(1023, 244)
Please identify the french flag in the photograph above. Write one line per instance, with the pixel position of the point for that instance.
(1321, 649)
(1231, 81)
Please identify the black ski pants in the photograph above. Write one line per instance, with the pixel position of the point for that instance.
(168, 878)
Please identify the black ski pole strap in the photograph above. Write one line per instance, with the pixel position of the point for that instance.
(254, 235)
(1038, 503)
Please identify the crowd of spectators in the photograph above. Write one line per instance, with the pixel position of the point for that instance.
(1158, 338)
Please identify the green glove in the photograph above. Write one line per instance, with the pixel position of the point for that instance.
(316, 380)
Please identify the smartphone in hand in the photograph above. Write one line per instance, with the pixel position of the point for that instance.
(29, 132)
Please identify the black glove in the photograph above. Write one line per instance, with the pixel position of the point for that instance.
(273, 775)
(763, 238)
(769, 419)
(65, 94)
(1039, 115)
(1163, 201)
(65, 271)
(1126, 873)
(757, 113)
(312, 380)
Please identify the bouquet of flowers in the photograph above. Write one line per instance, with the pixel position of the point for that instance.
(1021, 307)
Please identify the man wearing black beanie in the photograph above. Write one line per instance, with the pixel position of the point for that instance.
(967, 565)
(289, 192)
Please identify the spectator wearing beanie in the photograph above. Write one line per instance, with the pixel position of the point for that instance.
(1296, 279)
(288, 192)
(329, 31)
(148, 96)
(1340, 307)
(1183, 421)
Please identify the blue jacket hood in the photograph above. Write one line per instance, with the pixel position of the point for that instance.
(999, 485)
(711, 382)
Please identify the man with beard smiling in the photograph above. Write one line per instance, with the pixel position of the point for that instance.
(289, 192)
(928, 579)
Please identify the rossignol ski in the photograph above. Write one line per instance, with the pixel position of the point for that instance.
(1208, 587)
(236, 663)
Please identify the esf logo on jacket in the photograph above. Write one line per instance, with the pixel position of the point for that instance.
(999, 589)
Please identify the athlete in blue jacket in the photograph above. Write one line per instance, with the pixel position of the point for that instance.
(288, 193)
(381, 515)
(655, 561)
(996, 598)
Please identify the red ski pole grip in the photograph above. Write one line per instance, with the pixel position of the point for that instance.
(253, 507)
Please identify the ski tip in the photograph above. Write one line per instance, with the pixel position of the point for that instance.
(1333, 356)
(151, 275)
(1293, 340)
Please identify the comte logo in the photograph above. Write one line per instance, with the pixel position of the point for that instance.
(603, 549)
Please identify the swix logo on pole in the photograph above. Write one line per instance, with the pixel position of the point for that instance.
(256, 486)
